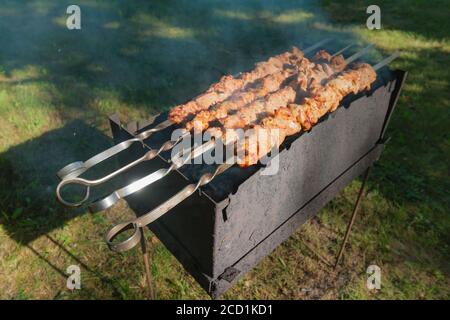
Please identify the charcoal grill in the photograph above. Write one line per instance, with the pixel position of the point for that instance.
(230, 224)
(233, 216)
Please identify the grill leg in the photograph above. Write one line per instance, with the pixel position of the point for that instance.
(147, 266)
(352, 220)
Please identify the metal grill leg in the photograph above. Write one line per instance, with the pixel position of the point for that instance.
(352, 220)
(147, 266)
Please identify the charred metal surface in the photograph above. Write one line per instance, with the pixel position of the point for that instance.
(221, 233)
(280, 234)
(229, 274)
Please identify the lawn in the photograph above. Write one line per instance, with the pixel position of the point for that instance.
(57, 87)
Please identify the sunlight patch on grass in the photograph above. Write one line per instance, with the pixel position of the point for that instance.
(399, 281)
(108, 102)
(94, 4)
(288, 17)
(293, 16)
(96, 68)
(112, 25)
(391, 40)
(41, 8)
(60, 21)
(27, 72)
(130, 51)
(26, 107)
(160, 28)
(234, 14)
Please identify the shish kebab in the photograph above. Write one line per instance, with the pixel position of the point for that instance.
(262, 86)
(337, 88)
(217, 92)
(289, 120)
(322, 65)
(268, 104)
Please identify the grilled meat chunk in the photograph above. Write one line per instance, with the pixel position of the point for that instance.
(228, 85)
(293, 118)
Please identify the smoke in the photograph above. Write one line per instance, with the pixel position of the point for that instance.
(152, 55)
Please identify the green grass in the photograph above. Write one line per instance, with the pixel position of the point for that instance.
(139, 58)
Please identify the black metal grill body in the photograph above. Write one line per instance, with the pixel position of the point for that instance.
(223, 231)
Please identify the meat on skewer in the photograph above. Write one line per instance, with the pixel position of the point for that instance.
(261, 88)
(297, 88)
(292, 119)
(228, 84)
(273, 101)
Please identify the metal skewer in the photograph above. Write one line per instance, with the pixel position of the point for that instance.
(137, 185)
(386, 61)
(343, 50)
(111, 199)
(74, 169)
(187, 191)
(144, 220)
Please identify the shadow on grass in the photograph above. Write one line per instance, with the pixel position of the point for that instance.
(28, 180)
(111, 283)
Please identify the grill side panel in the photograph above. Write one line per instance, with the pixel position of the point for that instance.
(263, 203)
(268, 244)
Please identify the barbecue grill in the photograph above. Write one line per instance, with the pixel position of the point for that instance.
(239, 216)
